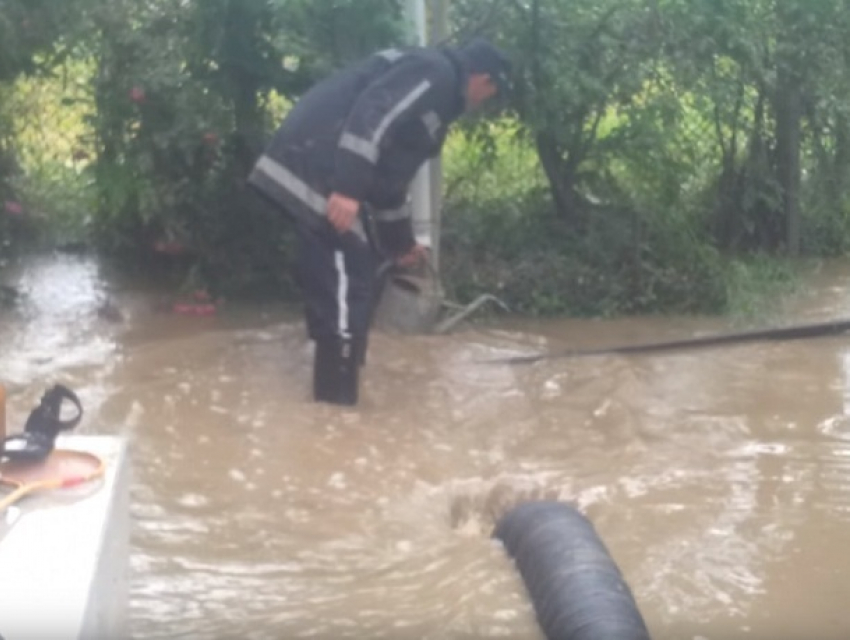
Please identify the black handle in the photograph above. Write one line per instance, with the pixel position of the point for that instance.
(43, 425)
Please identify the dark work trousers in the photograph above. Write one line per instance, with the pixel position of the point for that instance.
(337, 275)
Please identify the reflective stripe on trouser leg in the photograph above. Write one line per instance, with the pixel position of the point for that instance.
(341, 295)
(337, 274)
(335, 364)
(337, 277)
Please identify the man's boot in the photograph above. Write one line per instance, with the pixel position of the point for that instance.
(360, 344)
(335, 371)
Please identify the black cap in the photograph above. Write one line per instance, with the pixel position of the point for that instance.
(479, 56)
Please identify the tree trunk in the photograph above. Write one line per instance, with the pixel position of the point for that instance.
(561, 177)
(841, 160)
(789, 118)
(241, 32)
(788, 136)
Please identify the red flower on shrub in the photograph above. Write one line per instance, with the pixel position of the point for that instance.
(13, 208)
(137, 94)
(169, 247)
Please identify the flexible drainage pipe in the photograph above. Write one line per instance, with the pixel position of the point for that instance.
(577, 590)
(798, 332)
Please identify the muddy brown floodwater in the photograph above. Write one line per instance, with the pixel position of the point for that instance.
(719, 479)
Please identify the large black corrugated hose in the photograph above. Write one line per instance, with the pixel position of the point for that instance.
(577, 590)
(799, 332)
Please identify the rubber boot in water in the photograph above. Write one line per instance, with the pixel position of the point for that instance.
(361, 346)
(335, 371)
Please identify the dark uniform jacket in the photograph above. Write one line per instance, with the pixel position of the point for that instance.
(364, 132)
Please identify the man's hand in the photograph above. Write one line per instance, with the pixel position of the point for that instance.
(413, 258)
(342, 212)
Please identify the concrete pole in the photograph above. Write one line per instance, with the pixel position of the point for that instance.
(420, 190)
(398, 310)
(438, 33)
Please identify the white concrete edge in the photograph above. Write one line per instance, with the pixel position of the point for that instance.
(64, 563)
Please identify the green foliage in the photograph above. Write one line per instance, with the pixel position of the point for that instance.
(500, 237)
(654, 154)
(538, 265)
(36, 39)
(54, 185)
(575, 63)
(33, 33)
(756, 285)
(679, 136)
(184, 100)
(325, 35)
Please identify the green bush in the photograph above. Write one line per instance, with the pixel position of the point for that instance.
(501, 236)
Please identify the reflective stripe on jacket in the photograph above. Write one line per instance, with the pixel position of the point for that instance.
(364, 132)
